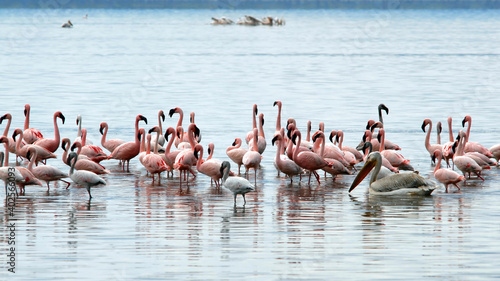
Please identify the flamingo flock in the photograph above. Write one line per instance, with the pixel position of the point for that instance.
(176, 149)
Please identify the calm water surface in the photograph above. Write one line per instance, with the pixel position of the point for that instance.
(330, 66)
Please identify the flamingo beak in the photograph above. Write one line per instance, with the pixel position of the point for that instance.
(151, 130)
(463, 122)
(423, 126)
(162, 116)
(275, 103)
(62, 118)
(143, 119)
(171, 112)
(101, 130)
(369, 165)
(274, 140)
(1, 119)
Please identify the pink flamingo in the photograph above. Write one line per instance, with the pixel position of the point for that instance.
(309, 160)
(93, 152)
(282, 162)
(448, 146)
(261, 143)
(340, 138)
(83, 178)
(179, 122)
(252, 159)
(186, 159)
(45, 172)
(388, 144)
(209, 167)
(161, 139)
(235, 152)
(330, 151)
(153, 162)
(111, 144)
(430, 148)
(82, 163)
(169, 156)
(473, 146)
(465, 163)
(43, 154)
(30, 134)
(255, 111)
(495, 150)
(23, 176)
(52, 144)
(129, 150)
(11, 143)
(446, 176)
(395, 158)
(142, 149)
(191, 120)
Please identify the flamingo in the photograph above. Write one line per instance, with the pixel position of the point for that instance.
(395, 158)
(169, 156)
(465, 163)
(129, 150)
(439, 129)
(186, 158)
(52, 144)
(261, 143)
(209, 167)
(473, 146)
(309, 160)
(282, 162)
(388, 144)
(446, 176)
(249, 135)
(448, 146)
(353, 151)
(111, 144)
(235, 152)
(252, 159)
(153, 162)
(27, 177)
(290, 148)
(30, 134)
(430, 148)
(79, 133)
(191, 120)
(495, 150)
(237, 185)
(44, 172)
(397, 184)
(278, 120)
(82, 163)
(179, 122)
(84, 178)
(43, 154)
(11, 143)
(329, 151)
(93, 152)
(161, 139)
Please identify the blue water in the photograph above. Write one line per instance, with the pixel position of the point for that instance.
(330, 66)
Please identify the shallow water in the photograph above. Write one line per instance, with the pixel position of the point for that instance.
(329, 66)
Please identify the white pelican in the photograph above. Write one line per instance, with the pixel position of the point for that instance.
(67, 24)
(403, 183)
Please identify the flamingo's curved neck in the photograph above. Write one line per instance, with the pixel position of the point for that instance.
(6, 155)
(27, 120)
(428, 137)
(33, 159)
(200, 158)
(57, 137)
(341, 138)
(148, 149)
(468, 130)
(308, 136)
(450, 131)
(438, 164)
(381, 132)
(103, 138)
(79, 134)
(6, 131)
(296, 151)
(170, 142)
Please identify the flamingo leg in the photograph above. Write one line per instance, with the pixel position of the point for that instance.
(67, 182)
(317, 176)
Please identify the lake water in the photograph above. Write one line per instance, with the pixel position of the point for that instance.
(333, 66)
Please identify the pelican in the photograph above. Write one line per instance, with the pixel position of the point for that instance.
(222, 20)
(397, 184)
(67, 24)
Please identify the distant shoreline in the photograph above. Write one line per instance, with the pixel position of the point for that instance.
(251, 4)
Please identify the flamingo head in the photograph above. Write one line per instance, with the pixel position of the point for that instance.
(60, 115)
(466, 119)
(425, 123)
(369, 124)
(141, 117)
(78, 119)
(439, 127)
(15, 133)
(5, 116)
(64, 143)
(383, 107)
(275, 138)
(101, 128)
(376, 125)
(155, 129)
(76, 144)
(4, 139)
(255, 110)
(318, 134)
(162, 115)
